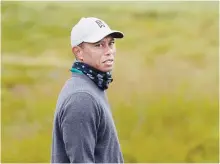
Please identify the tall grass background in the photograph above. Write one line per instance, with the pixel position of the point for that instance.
(164, 97)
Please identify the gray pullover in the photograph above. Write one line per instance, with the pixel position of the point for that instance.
(84, 130)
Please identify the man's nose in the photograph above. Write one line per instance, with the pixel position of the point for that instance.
(108, 51)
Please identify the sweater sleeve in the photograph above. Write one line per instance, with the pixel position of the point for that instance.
(79, 127)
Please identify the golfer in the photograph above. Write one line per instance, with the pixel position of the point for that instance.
(84, 129)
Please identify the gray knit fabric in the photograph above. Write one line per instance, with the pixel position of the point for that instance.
(84, 129)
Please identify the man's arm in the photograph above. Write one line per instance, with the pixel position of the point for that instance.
(79, 127)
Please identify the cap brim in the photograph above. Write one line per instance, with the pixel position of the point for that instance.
(96, 38)
(117, 34)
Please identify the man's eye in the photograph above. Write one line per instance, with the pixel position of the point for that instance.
(111, 43)
(98, 45)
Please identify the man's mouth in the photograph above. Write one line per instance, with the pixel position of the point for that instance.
(109, 61)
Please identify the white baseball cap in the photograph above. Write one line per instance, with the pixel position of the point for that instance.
(91, 30)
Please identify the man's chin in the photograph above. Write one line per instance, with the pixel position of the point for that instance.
(107, 69)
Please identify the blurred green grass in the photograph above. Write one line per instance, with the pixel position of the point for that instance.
(164, 96)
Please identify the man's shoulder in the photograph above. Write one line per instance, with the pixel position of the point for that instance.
(79, 86)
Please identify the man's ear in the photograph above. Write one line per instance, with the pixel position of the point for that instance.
(78, 52)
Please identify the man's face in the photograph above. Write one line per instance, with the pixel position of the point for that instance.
(99, 55)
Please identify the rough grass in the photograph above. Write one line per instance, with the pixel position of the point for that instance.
(164, 97)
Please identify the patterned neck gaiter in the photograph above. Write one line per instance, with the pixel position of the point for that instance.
(101, 79)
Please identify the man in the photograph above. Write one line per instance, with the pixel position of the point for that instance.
(84, 130)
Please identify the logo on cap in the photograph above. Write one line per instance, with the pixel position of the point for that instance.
(100, 23)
